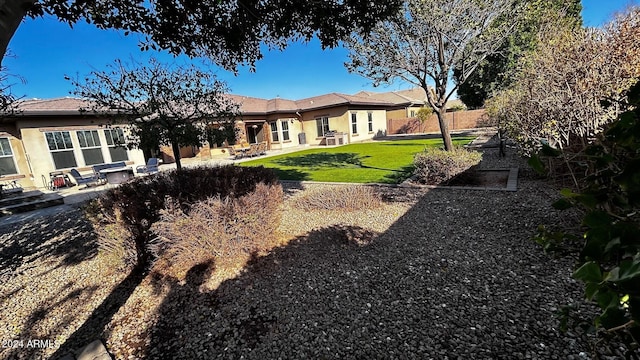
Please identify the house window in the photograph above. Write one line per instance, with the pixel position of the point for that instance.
(285, 130)
(274, 132)
(116, 141)
(354, 123)
(90, 145)
(61, 148)
(7, 165)
(322, 125)
(370, 121)
(413, 113)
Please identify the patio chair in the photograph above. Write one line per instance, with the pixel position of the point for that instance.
(235, 153)
(150, 168)
(262, 148)
(253, 150)
(86, 179)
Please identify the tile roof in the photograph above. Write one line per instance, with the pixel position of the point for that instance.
(61, 106)
(255, 106)
(336, 99)
(414, 96)
(403, 97)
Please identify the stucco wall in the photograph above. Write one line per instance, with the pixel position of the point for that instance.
(23, 173)
(37, 152)
(362, 123)
(337, 121)
(295, 127)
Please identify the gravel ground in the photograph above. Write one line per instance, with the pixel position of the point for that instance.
(442, 274)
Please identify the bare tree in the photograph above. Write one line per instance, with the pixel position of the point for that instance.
(168, 105)
(558, 93)
(8, 100)
(427, 40)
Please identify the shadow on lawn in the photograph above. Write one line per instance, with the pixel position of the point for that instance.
(322, 160)
(398, 176)
(291, 174)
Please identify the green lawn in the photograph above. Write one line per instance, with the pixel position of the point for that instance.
(388, 162)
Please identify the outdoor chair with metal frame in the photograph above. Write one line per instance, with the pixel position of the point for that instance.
(235, 153)
(86, 179)
(262, 148)
(150, 168)
(253, 150)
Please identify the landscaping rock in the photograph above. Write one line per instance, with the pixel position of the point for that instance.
(431, 274)
(94, 351)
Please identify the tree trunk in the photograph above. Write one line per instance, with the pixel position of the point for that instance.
(444, 130)
(176, 154)
(11, 14)
(143, 256)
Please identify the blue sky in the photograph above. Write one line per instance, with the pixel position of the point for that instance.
(44, 51)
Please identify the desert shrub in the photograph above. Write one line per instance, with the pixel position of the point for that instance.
(127, 212)
(217, 227)
(116, 243)
(339, 198)
(436, 166)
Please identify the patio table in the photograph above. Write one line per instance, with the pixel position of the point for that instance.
(118, 175)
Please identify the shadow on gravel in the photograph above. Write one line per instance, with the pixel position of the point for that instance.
(189, 320)
(66, 236)
(94, 326)
(31, 329)
(446, 280)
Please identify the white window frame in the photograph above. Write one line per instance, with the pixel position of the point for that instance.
(60, 150)
(275, 137)
(90, 144)
(354, 123)
(3, 155)
(284, 124)
(115, 144)
(322, 125)
(370, 121)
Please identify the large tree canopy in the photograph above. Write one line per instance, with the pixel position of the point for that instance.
(497, 71)
(168, 105)
(427, 40)
(228, 31)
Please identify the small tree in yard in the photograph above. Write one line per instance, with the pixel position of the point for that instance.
(427, 40)
(423, 114)
(165, 105)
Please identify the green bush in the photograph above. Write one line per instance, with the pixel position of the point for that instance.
(609, 195)
(123, 216)
(437, 166)
(217, 227)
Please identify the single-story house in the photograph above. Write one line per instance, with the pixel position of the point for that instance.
(286, 123)
(55, 135)
(51, 135)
